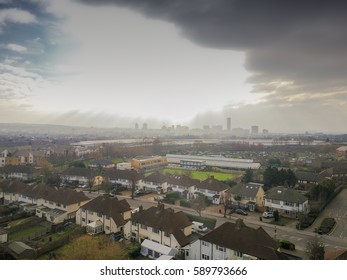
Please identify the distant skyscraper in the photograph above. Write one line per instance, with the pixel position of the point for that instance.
(144, 126)
(136, 126)
(265, 131)
(254, 129)
(228, 124)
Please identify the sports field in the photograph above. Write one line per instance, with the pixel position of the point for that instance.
(202, 175)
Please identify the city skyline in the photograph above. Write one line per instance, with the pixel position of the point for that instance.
(280, 66)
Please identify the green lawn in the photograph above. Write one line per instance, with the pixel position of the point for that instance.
(200, 175)
(30, 231)
(20, 221)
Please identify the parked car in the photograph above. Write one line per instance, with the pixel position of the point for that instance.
(139, 192)
(268, 214)
(159, 198)
(241, 212)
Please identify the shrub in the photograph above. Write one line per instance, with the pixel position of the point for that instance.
(185, 203)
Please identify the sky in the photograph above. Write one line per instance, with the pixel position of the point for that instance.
(281, 65)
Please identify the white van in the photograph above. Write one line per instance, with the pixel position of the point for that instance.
(198, 227)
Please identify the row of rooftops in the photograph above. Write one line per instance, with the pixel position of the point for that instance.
(41, 191)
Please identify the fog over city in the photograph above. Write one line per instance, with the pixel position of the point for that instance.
(280, 65)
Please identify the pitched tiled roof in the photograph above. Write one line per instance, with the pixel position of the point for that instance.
(308, 176)
(156, 177)
(124, 174)
(246, 190)
(163, 219)
(78, 171)
(65, 196)
(12, 186)
(212, 184)
(239, 237)
(285, 194)
(110, 206)
(181, 180)
(25, 169)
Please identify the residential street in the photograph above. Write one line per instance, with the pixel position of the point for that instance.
(299, 238)
(336, 209)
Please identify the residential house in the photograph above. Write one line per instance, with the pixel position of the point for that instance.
(249, 195)
(101, 163)
(10, 190)
(77, 175)
(104, 214)
(235, 241)
(155, 182)
(3, 155)
(182, 184)
(125, 177)
(61, 204)
(341, 151)
(212, 189)
(159, 226)
(286, 201)
(337, 173)
(308, 177)
(20, 172)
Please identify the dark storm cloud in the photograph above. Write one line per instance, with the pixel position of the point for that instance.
(291, 47)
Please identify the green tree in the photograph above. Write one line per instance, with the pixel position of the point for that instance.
(248, 177)
(276, 215)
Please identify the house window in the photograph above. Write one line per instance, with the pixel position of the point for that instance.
(133, 223)
(99, 215)
(58, 205)
(90, 212)
(83, 219)
(83, 210)
(205, 257)
(156, 254)
(238, 254)
(155, 230)
(204, 243)
(143, 226)
(107, 217)
(219, 248)
(167, 234)
(150, 252)
(107, 228)
(187, 253)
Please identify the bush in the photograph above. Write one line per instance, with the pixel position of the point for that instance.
(134, 250)
(185, 203)
(172, 197)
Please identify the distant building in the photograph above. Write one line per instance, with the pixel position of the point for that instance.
(265, 131)
(228, 124)
(240, 131)
(254, 129)
(251, 195)
(144, 126)
(148, 163)
(136, 126)
(341, 151)
(222, 162)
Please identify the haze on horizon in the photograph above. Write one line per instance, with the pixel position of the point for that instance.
(113, 63)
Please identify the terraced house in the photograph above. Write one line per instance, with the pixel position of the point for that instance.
(212, 188)
(235, 241)
(104, 214)
(159, 230)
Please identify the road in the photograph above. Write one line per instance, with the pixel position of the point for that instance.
(299, 238)
(337, 209)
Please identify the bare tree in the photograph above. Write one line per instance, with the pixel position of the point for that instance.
(226, 200)
(315, 249)
(199, 204)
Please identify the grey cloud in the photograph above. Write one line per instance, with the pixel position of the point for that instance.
(291, 47)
